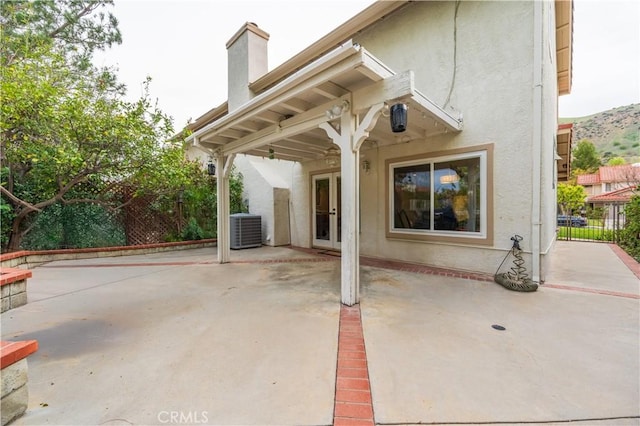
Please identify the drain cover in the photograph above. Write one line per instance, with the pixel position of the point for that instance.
(498, 327)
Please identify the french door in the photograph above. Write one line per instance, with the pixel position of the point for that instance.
(326, 211)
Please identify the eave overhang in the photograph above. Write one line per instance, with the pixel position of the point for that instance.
(564, 44)
(342, 34)
(563, 148)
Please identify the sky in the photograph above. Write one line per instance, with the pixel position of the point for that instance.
(180, 44)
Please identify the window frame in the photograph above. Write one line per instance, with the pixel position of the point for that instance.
(485, 236)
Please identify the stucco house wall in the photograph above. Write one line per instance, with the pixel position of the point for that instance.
(266, 193)
(549, 123)
(492, 62)
(493, 88)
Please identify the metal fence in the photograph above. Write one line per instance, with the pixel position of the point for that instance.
(605, 227)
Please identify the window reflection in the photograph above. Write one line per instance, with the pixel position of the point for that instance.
(455, 203)
(457, 190)
(412, 200)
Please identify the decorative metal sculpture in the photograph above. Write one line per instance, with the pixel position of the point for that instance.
(517, 279)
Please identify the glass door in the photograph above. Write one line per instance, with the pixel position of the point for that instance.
(326, 210)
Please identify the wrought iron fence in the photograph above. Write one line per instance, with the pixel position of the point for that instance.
(603, 227)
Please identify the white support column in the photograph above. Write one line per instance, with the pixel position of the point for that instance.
(350, 205)
(223, 169)
(349, 140)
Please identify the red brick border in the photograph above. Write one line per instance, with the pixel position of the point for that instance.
(424, 269)
(11, 275)
(591, 290)
(402, 266)
(24, 253)
(353, 406)
(302, 260)
(629, 261)
(12, 352)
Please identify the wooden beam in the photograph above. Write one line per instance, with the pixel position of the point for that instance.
(393, 88)
(366, 125)
(299, 141)
(330, 90)
(233, 134)
(250, 126)
(283, 130)
(268, 116)
(293, 146)
(291, 87)
(262, 152)
(297, 105)
(228, 165)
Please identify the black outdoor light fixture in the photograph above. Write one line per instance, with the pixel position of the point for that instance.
(398, 116)
(211, 168)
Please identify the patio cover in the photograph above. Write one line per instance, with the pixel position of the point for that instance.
(335, 100)
(286, 117)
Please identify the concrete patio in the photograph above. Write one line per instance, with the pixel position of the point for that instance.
(174, 338)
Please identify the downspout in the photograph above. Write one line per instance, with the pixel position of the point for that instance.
(536, 138)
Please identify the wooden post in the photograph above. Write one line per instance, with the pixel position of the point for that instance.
(223, 171)
(349, 139)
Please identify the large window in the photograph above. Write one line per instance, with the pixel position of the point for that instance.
(444, 195)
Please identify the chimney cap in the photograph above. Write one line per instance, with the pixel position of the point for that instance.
(248, 26)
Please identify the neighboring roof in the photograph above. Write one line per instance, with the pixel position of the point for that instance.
(618, 196)
(626, 173)
(588, 180)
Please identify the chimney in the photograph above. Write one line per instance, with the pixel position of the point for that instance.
(246, 61)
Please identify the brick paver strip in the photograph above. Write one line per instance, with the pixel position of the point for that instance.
(123, 265)
(629, 261)
(353, 405)
(592, 290)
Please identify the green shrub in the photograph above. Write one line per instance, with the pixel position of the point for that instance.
(630, 235)
(6, 219)
(596, 214)
(91, 225)
(74, 226)
(192, 231)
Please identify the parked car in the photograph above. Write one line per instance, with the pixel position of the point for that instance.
(575, 221)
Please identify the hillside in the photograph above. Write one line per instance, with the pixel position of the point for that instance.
(615, 132)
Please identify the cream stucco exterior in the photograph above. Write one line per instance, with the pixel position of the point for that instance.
(492, 65)
(267, 186)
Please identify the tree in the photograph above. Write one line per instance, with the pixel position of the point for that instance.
(616, 161)
(77, 28)
(585, 157)
(570, 197)
(63, 122)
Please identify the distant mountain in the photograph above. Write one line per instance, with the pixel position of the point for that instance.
(615, 133)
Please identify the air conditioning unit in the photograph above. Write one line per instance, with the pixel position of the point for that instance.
(246, 230)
